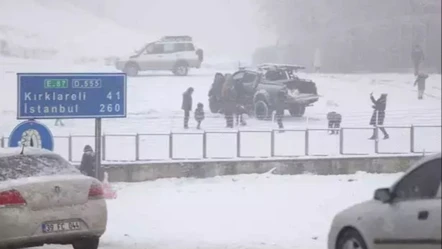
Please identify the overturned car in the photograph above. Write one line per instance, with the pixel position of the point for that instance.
(256, 89)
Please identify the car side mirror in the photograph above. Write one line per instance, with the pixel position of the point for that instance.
(383, 195)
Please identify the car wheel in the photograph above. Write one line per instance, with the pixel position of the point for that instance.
(351, 239)
(87, 243)
(181, 69)
(297, 110)
(131, 70)
(262, 110)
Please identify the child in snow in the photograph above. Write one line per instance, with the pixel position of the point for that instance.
(334, 122)
(199, 114)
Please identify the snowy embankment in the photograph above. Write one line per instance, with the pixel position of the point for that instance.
(46, 29)
(246, 211)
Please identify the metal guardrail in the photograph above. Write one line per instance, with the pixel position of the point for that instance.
(349, 141)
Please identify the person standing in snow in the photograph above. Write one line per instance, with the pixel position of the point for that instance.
(334, 122)
(280, 106)
(199, 115)
(229, 100)
(378, 116)
(187, 106)
(417, 56)
(87, 165)
(420, 82)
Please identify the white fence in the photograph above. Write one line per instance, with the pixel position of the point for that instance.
(252, 143)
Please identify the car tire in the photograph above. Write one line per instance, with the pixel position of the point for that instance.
(131, 70)
(87, 243)
(181, 69)
(297, 110)
(262, 110)
(351, 239)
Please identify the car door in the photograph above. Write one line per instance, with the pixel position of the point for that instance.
(413, 218)
(169, 56)
(150, 57)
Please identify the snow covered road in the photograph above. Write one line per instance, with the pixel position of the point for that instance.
(233, 212)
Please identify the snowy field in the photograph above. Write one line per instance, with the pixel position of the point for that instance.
(154, 102)
(233, 212)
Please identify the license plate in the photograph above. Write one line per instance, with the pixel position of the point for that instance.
(63, 226)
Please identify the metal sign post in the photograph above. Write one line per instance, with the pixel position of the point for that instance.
(73, 96)
(97, 148)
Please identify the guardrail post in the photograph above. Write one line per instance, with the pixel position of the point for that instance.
(341, 141)
(103, 147)
(137, 147)
(306, 142)
(171, 145)
(272, 143)
(238, 144)
(412, 139)
(204, 145)
(70, 148)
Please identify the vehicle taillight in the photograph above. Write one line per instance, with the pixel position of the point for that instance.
(96, 191)
(11, 198)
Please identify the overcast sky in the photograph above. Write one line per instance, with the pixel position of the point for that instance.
(229, 27)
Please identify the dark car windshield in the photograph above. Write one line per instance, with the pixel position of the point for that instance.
(22, 166)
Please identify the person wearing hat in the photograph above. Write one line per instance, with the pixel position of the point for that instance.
(378, 116)
(87, 165)
(187, 106)
(199, 114)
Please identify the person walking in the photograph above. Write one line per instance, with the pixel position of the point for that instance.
(187, 106)
(378, 116)
(279, 107)
(199, 115)
(417, 56)
(420, 82)
(87, 166)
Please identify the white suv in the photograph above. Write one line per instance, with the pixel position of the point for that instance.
(174, 53)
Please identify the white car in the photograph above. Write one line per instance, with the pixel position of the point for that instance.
(46, 200)
(170, 53)
(405, 216)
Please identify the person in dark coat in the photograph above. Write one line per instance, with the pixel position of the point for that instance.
(377, 119)
(420, 82)
(280, 107)
(417, 56)
(334, 122)
(87, 165)
(199, 115)
(187, 106)
(229, 100)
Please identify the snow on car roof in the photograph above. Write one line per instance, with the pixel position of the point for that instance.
(6, 152)
(273, 66)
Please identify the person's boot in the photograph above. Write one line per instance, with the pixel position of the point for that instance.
(386, 136)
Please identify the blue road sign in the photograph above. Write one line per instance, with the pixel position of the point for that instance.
(71, 95)
(31, 134)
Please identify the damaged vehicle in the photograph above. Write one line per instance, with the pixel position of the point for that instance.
(260, 86)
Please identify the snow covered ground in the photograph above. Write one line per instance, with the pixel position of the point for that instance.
(154, 102)
(233, 212)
